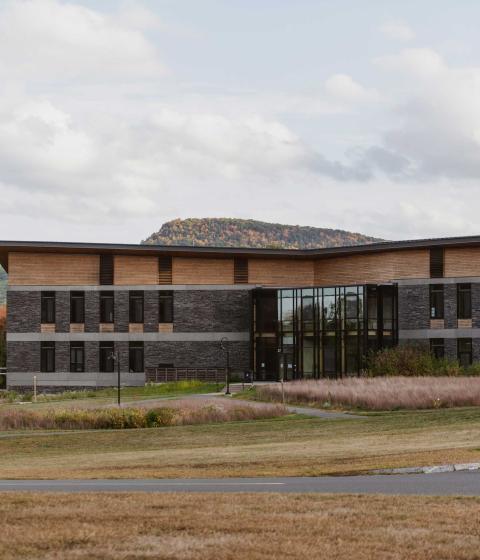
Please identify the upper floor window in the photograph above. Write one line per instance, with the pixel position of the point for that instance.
(136, 307)
(48, 307)
(165, 307)
(464, 349)
(47, 357)
(77, 357)
(436, 301)
(106, 307)
(77, 307)
(464, 301)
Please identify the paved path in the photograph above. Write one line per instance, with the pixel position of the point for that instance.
(442, 484)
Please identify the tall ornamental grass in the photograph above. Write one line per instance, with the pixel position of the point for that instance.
(127, 418)
(381, 393)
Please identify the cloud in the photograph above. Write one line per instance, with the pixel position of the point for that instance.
(344, 89)
(51, 41)
(397, 30)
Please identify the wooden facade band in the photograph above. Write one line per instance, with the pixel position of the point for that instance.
(165, 274)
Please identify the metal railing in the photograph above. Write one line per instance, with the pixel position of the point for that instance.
(164, 375)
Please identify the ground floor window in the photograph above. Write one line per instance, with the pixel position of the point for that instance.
(437, 347)
(47, 357)
(77, 357)
(106, 357)
(135, 357)
(464, 349)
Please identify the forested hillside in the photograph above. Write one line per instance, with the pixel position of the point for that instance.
(231, 232)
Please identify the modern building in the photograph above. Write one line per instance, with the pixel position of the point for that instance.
(74, 307)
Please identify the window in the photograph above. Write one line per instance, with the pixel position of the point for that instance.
(437, 348)
(464, 301)
(436, 301)
(77, 357)
(464, 351)
(165, 307)
(135, 357)
(47, 357)
(77, 307)
(106, 307)
(165, 270)
(436, 262)
(48, 307)
(107, 364)
(106, 270)
(136, 307)
(240, 270)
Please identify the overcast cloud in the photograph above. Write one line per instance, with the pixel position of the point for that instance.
(116, 119)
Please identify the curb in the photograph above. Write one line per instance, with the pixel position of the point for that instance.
(431, 470)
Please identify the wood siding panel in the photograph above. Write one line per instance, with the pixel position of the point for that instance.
(135, 271)
(375, 268)
(202, 271)
(51, 269)
(462, 262)
(281, 272)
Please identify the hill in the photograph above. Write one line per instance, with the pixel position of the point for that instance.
(231, 232)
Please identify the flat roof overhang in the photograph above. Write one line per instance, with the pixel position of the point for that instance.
(225, 252)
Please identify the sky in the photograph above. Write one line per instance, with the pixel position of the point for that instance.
(116, 116)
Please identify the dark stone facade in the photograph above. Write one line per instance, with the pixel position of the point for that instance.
(196, 311)
(24, 312)
(414, 307)
(212, 311)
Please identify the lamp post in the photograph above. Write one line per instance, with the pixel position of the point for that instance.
(224, 346)
(281, 363)
(115, 356)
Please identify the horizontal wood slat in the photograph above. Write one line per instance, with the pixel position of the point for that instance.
(51, 269)
(280, 272)
(133, 270)
(376, 268)
(165, 270)
(202, 271)
(240, 271)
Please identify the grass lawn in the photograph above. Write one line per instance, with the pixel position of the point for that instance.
(84, 399)
(292, 445)
(237, 526)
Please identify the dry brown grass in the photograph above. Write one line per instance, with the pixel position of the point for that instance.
(237, 526)
(379, 393)
(147, 415)
(283, 446)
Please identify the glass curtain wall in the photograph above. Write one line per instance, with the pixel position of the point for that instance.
(322, 332)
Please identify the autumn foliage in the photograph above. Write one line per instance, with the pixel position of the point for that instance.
(231, 232)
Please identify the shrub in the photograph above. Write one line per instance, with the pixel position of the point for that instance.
(410, 360)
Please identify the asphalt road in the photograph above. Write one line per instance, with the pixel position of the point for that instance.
(440, 484)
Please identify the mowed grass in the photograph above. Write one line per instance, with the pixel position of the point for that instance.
(95, 398)
(288, 446)
(237, 526)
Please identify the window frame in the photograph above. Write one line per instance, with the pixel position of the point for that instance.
(434, 290)
(437, 343)
(45, 348)
(133, 297)
(74, 347)
(165, 306)
(74, 297)
(464, 289)
(468, 352)
(106, 362)
(45, 298)
(107, 295)
(134, 350)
